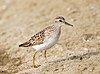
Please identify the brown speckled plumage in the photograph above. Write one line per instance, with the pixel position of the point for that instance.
(38, 38)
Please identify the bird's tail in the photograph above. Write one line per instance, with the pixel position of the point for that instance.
(26, 44)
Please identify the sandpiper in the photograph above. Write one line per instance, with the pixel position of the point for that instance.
(46, 38)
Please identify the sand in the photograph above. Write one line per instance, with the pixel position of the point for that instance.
(78, 48)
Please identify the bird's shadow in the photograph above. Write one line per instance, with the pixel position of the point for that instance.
(80, 57)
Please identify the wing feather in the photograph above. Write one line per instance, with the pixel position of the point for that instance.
(37, 38)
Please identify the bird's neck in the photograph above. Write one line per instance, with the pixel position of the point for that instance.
(57, 26)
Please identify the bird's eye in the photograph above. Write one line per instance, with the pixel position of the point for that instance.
(60, 20)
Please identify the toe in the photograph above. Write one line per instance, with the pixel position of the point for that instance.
(36, 66)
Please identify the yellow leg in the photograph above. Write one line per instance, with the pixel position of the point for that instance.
(45, 56)
(35, 66)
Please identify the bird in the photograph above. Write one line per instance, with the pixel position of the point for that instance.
(46, 38)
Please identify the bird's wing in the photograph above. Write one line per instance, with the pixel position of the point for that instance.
(35, 40)
(38, 38)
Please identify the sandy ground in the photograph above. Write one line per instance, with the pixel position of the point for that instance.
(76, 52)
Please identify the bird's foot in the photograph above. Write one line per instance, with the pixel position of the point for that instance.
(36, 66)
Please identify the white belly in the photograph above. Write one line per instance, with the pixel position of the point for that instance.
(46, 45)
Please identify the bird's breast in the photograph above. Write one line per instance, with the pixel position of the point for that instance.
(50, 41)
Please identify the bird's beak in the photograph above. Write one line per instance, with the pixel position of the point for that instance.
(68, 24)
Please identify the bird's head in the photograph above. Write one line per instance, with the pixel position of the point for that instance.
(61, 21)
